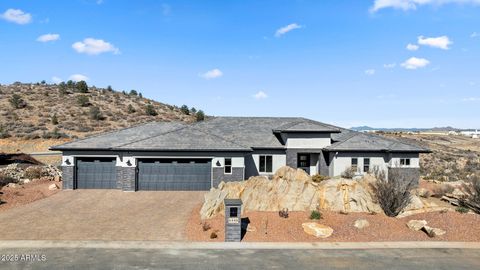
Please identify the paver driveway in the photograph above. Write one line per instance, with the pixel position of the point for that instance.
(102, 215)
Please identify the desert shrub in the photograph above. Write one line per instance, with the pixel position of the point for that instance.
(55, 134)
(200, 116)
(150, 110)
(83, 101)
(131, 109)
(96, 114)
(441, 190)
(213, 235)
(393, 194)
(472, 194)
(349, 173)
(17, 102)
(462, 210)
(319, 178)
(3, 133)
(133, 93)
(81, 87)
(5, 180)
(193, 110)
(33, 172)
(206, 226)
(54, 120)
(315, 214)
(184, 109)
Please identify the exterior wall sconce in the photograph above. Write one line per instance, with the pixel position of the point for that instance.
(129, 163)
(67, 161)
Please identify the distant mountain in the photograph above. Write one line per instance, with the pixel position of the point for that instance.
(367, 128)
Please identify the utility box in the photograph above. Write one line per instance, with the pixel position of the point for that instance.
(233, 220)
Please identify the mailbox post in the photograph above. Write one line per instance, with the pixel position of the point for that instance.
(233, 220)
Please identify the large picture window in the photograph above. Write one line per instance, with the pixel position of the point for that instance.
(265, 165)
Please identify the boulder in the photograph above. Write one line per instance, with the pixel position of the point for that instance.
(26, 181)
(317, 230)
(416, 224)
(57, 178)
(432, 232)
(53, 187)
(11, 185)
(361, 223)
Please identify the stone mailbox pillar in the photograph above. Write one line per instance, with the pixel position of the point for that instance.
(233, 220)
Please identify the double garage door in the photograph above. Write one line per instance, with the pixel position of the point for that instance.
(152, 174)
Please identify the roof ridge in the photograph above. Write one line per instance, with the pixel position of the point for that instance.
(341, 142)
(157, 135)
(215, 135)
(117, 130)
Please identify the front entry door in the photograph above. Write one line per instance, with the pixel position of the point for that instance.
(303, 162)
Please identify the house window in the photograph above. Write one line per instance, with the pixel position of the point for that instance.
(265, 164)
(405, 162)
(228, 166)
(303, 160)
(233, 211)
(366, 165)
(354, 164)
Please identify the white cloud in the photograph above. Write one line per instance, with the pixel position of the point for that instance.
(471, 99)
(370, 72)
(56, 79)
(413, 4)
(78, 77)
(282, 31)
(48, 37)
(93, 46)
(474, 35)
(16, 16)
(414, 63)
(412, 47)
(436, 42)
(391, 65)
(260, 95)
(212, 74)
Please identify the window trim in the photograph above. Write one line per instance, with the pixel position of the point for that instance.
(229, 166)
(354, 167)
(265, 158)
(405, 163)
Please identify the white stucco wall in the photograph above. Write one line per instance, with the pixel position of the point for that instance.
(308, 141)
(278, 160)
(414, 160)
(122, 162)
(237, 162)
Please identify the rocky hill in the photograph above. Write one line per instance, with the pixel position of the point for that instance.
(74, 110)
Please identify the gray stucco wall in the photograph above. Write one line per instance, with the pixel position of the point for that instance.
(68, 174)
(218, 175)
(126, 179)
(292, 154)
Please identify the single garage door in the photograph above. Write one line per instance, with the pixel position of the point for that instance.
(174, 174)
(96, 173)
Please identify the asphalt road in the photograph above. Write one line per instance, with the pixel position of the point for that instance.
(391, 259)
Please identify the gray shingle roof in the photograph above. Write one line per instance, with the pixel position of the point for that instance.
(231, 134)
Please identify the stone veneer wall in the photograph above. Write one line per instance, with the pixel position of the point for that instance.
(218, 175)
(68, 174)
(126, 178)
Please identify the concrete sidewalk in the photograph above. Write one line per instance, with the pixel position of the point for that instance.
(240, 246)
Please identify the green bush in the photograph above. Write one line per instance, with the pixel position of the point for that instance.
(200, 116)
(462, 210)
(54, 119)
(96, 114)
(17, 102)
(150, 110)
(33, 172)
(5, 180)
(82, 87)
(131, 109)
(349, 173)
(315, 215)
(317, 178)
(133, 93)
(83, 101)
(184, 109)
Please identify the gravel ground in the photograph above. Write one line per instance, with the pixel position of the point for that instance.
(459, 227)
(26, 193)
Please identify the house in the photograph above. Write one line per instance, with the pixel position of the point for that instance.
(180, 156)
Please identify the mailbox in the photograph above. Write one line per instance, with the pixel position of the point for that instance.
(233, 220)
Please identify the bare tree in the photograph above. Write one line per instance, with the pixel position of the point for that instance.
(472, 194)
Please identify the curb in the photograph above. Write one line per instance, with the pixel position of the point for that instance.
(40, 244)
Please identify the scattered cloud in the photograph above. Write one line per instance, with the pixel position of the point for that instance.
(93, 46)
(282, 31)
(474, 35)
(412, 47)
(260, 95)
(166, 9)
(413, 4)
(471, 99)
(436, 42)
(78, 77)
(212, 74)
(48, 37)
(370, 72)
(16, 16)
(414, 63)
(56, 79)
(391, 65)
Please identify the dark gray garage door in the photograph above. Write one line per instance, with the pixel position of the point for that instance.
(96, 173)
(168, 174)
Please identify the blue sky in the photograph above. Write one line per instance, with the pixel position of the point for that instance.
(341, 62)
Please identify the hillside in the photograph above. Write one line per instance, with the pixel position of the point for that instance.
(75, 110)
(453, 157)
